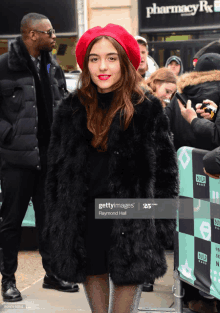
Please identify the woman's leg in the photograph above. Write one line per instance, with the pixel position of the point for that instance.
(97, 292)
(124, 299)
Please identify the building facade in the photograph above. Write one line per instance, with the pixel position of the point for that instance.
(63, 16)
(174, 27)
(178, 27)
(121, 12)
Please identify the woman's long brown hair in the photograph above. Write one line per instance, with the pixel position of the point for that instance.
(162, 75)
(99, 120)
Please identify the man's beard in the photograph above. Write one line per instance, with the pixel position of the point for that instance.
(45, 48)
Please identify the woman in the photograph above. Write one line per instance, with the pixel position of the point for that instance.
(162, 84)
(108, 141)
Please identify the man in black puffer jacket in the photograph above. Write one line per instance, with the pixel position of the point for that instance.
(32, 85)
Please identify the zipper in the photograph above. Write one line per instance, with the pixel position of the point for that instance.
(35, 96)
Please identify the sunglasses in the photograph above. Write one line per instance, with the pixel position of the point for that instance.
(50, 32)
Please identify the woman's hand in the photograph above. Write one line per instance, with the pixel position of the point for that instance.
(188, 113)
(215, 176)
(202, 112)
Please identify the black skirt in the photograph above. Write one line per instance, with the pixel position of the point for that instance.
(97, 241)
(98, 231)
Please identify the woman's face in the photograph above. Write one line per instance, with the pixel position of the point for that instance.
(104, 65)
(165, 91)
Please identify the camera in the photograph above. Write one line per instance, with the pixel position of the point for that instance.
(208, 108)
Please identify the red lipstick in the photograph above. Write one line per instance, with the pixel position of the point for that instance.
(104, 77)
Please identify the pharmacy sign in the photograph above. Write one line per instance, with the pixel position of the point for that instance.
(179, 14)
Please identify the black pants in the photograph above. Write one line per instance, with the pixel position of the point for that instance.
(18, 187)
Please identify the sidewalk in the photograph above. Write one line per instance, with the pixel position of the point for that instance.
(35, 298)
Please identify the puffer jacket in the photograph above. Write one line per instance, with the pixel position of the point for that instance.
(201, 133)
(18, 108)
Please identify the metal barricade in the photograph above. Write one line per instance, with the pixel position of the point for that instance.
(197, 242)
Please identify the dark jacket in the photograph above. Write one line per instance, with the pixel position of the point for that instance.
(201, 133)
(211, 161)
(18, 107)
(142, 164)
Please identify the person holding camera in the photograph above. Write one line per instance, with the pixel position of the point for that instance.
(198, 124)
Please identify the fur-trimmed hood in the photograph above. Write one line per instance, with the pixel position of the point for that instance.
(199, 86)
(196, 78)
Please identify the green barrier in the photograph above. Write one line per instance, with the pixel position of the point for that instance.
(198, 224)
(29, 219)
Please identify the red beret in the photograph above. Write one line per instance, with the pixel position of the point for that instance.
(117, 32)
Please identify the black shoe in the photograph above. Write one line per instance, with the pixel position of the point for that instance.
(52, 282)
(10, 293)
(148, 287)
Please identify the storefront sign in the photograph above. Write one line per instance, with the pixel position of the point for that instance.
(184, 10)
(176, 15)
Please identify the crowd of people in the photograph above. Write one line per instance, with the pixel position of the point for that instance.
(115, 136)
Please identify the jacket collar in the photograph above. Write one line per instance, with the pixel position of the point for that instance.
(116, 133)
(18, 56)
(196, 78)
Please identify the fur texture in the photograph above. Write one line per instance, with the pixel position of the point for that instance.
(142, 165)
(195, 78)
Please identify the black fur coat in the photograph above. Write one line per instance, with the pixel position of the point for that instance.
(142, 165)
